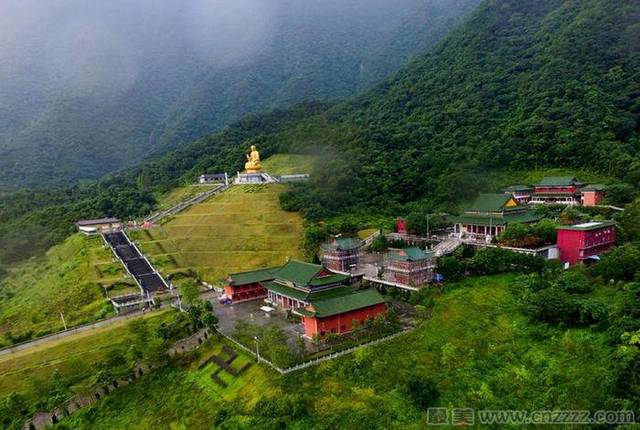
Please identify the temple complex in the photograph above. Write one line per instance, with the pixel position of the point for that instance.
(409, 266)
(341, 253)
(489, 216)
(325, 300)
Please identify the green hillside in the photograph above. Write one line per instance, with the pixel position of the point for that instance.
(71, 113)
(478, 349)
(522, 85)
(71, 278)
(241, 229)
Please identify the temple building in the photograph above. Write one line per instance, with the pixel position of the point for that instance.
(337, 314)
(325, 300)
(99, 226)
(561, 190)
(248, 285)
(489, 215)
(585, 241)
(592, 195)
(409, 266)
(342, 253)
(522, 193)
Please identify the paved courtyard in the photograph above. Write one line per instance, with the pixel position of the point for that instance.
(250, 311)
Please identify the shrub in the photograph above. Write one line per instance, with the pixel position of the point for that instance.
(423, 392)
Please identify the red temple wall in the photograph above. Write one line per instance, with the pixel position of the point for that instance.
(341, 323)
(592, 242)
(240, 293)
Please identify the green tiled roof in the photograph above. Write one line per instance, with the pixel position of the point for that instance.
(558, 180)
(286, 291)
(518, 188)
(586, 226)
(298, 272)
(490, 203)
(410, 254)
(331, 279)
(343, 244)
(354, 299)
(595, 187)
(508, 218)
(304, 296)
(303, 274)
(261, 275)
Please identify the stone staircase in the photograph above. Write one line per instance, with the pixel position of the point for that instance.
(447, 246)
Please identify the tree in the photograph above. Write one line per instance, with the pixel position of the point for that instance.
(450, 268)
(189, 292)
(630, 220)
(575, 281)
(423, 392)
(620, 263)
(210, 321)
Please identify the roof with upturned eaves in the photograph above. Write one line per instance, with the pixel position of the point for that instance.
(250, 277)
(518, 188)
(594, 187)
(296, 272)
(526, 216)
(410, 254)
(349, 300)
(496, 202)
(558, 181)
(342, 244)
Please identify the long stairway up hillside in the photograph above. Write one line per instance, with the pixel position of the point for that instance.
(147, 278)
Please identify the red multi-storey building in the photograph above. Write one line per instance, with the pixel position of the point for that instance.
(593, 195)
(337, 314)
(248, 285)
(580, 242)
(409, 266)
(342, 253)
(563, 190)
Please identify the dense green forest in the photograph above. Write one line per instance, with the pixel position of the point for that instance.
(149, 76)
(521, 85)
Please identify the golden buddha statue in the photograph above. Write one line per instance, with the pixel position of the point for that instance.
(253, 161)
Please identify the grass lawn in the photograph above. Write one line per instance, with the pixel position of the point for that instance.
(28, 371)
(175, 196)
(478, 348)
(177, 397)
(240, 229)
(288, 164)
(68, 279)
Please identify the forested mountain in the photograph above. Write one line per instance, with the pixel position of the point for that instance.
(89, 88)
(522, 84)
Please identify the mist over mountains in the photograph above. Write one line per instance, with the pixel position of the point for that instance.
(92, 87)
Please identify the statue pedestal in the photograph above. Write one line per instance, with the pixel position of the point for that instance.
(248, 177)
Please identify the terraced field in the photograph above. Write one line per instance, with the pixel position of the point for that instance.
(240, 229)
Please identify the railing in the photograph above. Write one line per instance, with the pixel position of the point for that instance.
(319, 359)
